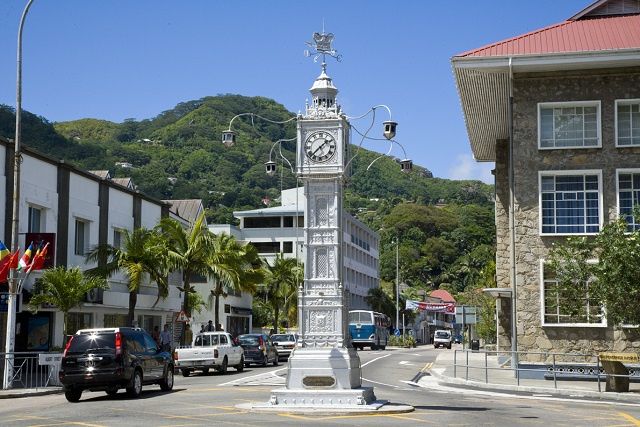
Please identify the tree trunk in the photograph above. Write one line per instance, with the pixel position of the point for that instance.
(64, 329)
(186, 285)
(276, 318)
(216, 312)
(133, 299)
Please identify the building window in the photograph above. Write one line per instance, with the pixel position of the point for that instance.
(35, 220)
(629, 196)
(322, 263)
(569, 125)
(82, 237)
(570, 202)
(115, 320)
(287, 221)
(322, 212)
(76, 321)
(262, 222)
(118, 238)
(591, 313)
(627, 122)
(287, 247)
(267, 247)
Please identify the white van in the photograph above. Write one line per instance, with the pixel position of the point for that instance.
(442, 338)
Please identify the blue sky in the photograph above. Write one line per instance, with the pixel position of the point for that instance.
(117, 59)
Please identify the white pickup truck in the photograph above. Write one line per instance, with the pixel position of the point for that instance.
(210, 350)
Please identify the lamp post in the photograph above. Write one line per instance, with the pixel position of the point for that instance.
(397, 284)
(14, 283)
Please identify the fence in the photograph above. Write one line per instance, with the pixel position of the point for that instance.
(485, 366)
(31, 370)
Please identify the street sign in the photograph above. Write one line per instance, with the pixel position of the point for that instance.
(396, 332)
(182, 317)
(469, 312)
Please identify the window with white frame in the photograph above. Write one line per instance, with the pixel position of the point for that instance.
(629, 196)
(118, 238)
(554, 310)
(569, 125)
(627, 122)
(570, 202)
(82, 237)
(35, 220)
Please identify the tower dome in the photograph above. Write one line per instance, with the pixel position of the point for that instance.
(323, 94)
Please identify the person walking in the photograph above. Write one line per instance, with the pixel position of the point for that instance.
(156, 334)
(188, 335)
(165, 339)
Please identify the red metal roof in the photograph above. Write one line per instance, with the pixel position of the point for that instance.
(443, 295)
(584, 35)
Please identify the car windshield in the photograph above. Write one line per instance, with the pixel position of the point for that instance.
(248, 340)
(441, 334)
(282, 338)
(92, 342)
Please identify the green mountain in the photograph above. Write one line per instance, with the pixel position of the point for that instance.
(444, 226)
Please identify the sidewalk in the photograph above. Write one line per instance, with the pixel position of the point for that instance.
(27, 392)
(502, 379)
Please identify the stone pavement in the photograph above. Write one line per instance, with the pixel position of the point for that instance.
(503, 379)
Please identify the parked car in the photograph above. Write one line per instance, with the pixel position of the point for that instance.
(210, 350)
(109, 359)
(442, 339)
(258, 349)
(285, 343)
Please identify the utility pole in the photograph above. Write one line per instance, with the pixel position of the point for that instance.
(397, 284)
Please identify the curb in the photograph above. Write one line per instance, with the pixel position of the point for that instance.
(10, 394)
(555, 392)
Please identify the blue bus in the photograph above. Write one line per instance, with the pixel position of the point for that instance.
(368, 329)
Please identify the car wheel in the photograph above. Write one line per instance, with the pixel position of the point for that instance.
(246, 365)
(223, 368)
(112, 391)
(449, 346)
(73, 395)
(136, 385)
(205, 371)
(374, 347)
(382, 347)
(185, 372)
(167, 382)
(240, 366)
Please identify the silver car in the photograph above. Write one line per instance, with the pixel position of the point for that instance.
(285, 343)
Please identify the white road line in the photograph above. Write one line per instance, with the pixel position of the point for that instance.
(376, 382)
(373, 360)
(405, 362)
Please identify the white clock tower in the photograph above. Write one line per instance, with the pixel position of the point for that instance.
(326, 370)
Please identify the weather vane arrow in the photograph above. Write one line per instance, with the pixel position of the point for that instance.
(321, 45)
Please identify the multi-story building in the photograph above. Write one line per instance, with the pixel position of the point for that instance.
(280, 229)
(75, 210)
(558, 111)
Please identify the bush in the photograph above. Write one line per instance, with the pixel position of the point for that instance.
(406, 341)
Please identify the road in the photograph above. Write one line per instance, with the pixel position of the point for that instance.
(211, 399)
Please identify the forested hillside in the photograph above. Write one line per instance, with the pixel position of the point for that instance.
(444, 228)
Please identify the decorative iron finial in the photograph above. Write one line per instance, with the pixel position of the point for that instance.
(321, 45)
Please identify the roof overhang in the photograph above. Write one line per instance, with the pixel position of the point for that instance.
(498, 292)
(484, 86)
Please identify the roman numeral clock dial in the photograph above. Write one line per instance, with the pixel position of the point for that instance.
(320, 147)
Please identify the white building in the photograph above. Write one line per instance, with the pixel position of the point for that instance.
(280, 229)
(76, 210)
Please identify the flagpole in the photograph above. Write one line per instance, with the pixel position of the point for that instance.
(14, 285)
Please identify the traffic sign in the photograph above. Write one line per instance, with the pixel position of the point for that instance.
(182, 317)
(396, 332)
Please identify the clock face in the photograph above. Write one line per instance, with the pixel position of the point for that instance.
(320, 146)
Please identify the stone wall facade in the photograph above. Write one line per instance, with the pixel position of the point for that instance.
(605, 86)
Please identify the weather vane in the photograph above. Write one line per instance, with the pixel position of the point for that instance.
(321, 45)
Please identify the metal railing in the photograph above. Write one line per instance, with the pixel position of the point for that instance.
(30, 370)
(553, 366)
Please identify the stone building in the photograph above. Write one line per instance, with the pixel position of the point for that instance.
(558, 111)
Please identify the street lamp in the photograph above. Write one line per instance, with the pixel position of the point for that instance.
(14, 283)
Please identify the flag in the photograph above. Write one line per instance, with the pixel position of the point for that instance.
(7, 264)
(26, 257)
(3, 250)
(39, 258)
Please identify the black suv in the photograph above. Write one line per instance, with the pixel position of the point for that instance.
(109, 359)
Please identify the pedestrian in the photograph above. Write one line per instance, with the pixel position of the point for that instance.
(202, 328)
(165, 339)
(219, 327)
(188, 335)
(210, 327)
(156, 334)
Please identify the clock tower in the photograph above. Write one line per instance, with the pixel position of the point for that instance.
(326, 370)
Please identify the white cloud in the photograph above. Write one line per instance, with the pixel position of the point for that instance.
(466, 167)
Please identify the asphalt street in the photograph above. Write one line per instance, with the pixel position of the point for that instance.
(211, 400)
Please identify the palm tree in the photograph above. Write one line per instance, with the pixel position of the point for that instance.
(281, 283)
(143, 252)
(66, 289)
(188, 250)
(233, 267)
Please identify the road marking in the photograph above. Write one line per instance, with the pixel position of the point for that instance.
(427, 367)
(634, 421)
(405, 362)
(263, 375)
(373, 360)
